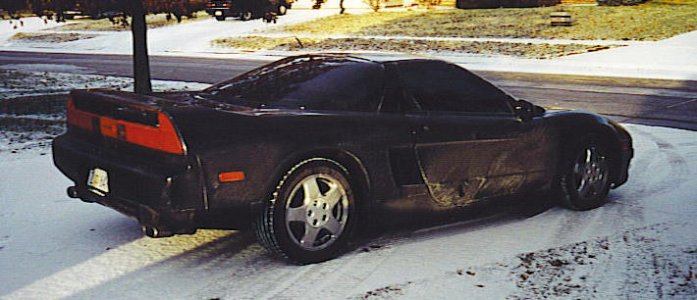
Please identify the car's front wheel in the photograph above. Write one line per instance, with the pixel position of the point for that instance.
(585, 178)
(312, 212)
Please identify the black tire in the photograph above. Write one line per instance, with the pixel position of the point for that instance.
(312, 213)
(220, 18)
(246, 15)
(282, 10)
(585, 176)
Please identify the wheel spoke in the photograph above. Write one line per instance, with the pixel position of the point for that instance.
(311, 188)
(333, 196)
(310, 236)
(297, 214)
(584, 187)
(332, 225)
(589, 154)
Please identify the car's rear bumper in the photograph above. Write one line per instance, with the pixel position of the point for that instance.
(155, 222)
(163, 194)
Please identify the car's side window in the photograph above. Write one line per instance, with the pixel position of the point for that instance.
(439, 86)
(394, 99)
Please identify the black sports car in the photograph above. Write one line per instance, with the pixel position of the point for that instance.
(305, 148)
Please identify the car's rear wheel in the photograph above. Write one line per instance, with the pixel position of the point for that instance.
(585, 181)
(246, 15)
(312, 212)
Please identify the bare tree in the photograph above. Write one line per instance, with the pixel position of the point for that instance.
(135, 10)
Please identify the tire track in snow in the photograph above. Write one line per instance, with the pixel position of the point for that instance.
(667, 154)
(339, 276)
(336, 277)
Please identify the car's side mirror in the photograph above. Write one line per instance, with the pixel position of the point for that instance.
(526, 110)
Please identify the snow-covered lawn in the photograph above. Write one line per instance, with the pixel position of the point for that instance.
(641, 245)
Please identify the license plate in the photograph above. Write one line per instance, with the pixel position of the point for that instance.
(218, 13)
(98, 181)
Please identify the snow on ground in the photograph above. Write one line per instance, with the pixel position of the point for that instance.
(641, 245)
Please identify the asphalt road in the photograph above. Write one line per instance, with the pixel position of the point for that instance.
(642, 101)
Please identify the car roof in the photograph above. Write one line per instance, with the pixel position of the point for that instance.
(374, 57)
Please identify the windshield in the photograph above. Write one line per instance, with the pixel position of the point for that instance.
(306, 82)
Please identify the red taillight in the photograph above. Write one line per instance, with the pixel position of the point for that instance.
(163, 137)
(227, 4)
(78, 118)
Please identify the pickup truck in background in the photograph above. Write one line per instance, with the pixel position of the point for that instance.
(246, 9)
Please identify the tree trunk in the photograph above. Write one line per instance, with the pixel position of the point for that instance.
(341, 7)
(141, 62)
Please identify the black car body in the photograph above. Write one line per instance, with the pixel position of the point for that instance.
(377, 132)
(246, 9)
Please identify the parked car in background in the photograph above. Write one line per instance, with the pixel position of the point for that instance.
(306, 148)
(246, 9)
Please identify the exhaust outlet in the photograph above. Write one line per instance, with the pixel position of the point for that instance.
(155, 232)
(72, 192)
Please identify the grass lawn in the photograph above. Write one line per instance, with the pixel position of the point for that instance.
(50, 37)
(539, 51)
(154, 21)
(654, 20)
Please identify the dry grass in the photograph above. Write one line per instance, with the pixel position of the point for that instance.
(50, 37)
(154, 21)
(351, 24)
(540, 51)
(650, 21)
(254, 43)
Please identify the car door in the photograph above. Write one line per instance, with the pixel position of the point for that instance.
(465, 133)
